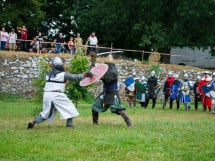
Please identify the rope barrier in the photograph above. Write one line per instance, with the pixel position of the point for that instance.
(113, 49)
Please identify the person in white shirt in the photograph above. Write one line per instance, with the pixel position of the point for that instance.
(3, 38)
(92, 42)
(12, 40)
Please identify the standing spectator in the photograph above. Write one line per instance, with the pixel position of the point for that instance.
(39, 42)
(206, 101)
(12, 40)
(78, 44)
(71, 45)
(23, 37)
(33, 45)
(60, 41)
(3, 38)
(92, 42)
(174, 92)
(151, 86)
(167, 88)
(197, 96)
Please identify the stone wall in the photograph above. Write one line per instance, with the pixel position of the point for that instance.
(17, 72)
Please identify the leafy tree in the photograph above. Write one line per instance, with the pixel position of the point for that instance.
(17, 13)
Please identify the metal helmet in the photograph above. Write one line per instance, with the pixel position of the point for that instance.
(57, 61)
(176, 76)
(213, 75)
(169, 74)
(185, 76)
(152, 73)
(143, 78)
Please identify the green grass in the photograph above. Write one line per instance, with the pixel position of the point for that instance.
(157, 135)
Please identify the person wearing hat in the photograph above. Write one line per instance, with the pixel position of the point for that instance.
(185, 89)
(211, 93)
(109, 98)
(12, 40)
(151, 87)
(140, 90)
(197, 96)
(54, 98)
(167, 87)
(206, 101)
(174, 93)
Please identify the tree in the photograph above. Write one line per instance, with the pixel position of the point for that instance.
(17, 13)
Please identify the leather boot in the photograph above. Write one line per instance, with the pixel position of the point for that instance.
(126, 118)
(95, 116)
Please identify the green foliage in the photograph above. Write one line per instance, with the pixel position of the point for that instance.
(39, 83)
(157, 68)
(78, 65)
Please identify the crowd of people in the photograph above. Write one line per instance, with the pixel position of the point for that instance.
(17, 40)
(174, 90)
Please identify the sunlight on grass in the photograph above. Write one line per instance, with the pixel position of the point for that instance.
(157, 135)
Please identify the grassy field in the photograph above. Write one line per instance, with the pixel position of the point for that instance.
(157, 135)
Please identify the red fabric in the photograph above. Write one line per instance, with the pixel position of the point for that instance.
(206, 101)
(170, 81)
(24, 34)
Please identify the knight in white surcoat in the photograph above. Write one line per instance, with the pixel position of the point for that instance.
(54, 98)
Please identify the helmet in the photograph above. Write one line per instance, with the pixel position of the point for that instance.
(153, 73)
(169, 74)
(176, 76)
(57, 61)
(213, 75)
(185, 76)
(143, 78)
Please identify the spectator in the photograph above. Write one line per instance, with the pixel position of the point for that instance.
(39, 42)
(78, 44)
(59, 41)
(92, 41)
(71, 45)
(3, 38)
(23, 37)
(12, 40)
(33, 43)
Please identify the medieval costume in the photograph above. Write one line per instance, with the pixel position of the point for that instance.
(197, 96)
(54, 98)
(206, 101)
(151, 87)
(140, 89)
(167, 88)
(185, 92)
(109, 98)
(174, 92)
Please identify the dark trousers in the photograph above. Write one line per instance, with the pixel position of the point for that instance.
(166, 96)
(153, 102)
(196, 100)
(171, 103)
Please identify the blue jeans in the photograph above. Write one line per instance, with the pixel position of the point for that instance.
(58, 48)
(3, 45)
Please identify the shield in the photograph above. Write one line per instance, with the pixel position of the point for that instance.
(98, 71)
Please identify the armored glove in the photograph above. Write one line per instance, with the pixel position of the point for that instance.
(88, 74)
